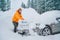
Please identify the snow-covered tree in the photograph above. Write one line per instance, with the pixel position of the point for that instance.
(52, 5)
(23, 5)
(5, 5)
(57, 4)
(29, 3)
(38, 5)
(0, 4)
(44, 5)
(41, 6)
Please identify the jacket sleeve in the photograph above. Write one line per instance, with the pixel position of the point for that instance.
(21, 17)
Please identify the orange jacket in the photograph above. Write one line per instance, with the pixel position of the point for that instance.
(17, 16)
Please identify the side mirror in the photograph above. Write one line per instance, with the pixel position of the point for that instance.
(58, 19)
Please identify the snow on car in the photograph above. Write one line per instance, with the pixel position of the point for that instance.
(44, 20)
(49, 18)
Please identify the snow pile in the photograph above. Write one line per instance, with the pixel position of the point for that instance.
(6, 33)
(30, 14)
(49, 17)
(46, 18)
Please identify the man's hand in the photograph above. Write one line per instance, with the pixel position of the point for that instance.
(22, 18)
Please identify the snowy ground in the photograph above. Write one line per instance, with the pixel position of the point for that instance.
(6, 26)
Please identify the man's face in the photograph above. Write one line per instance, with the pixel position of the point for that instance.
(20, 10)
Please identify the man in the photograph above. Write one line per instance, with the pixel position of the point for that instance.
(17, 16)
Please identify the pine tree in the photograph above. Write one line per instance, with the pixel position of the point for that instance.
(5, 5)
(23, 5)
(29, 3)
(49, 5)
(57, 4)
(52, 5)
(0, 4)
(42, 6)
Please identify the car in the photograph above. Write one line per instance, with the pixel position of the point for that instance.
(53, 28)
(48, 29)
